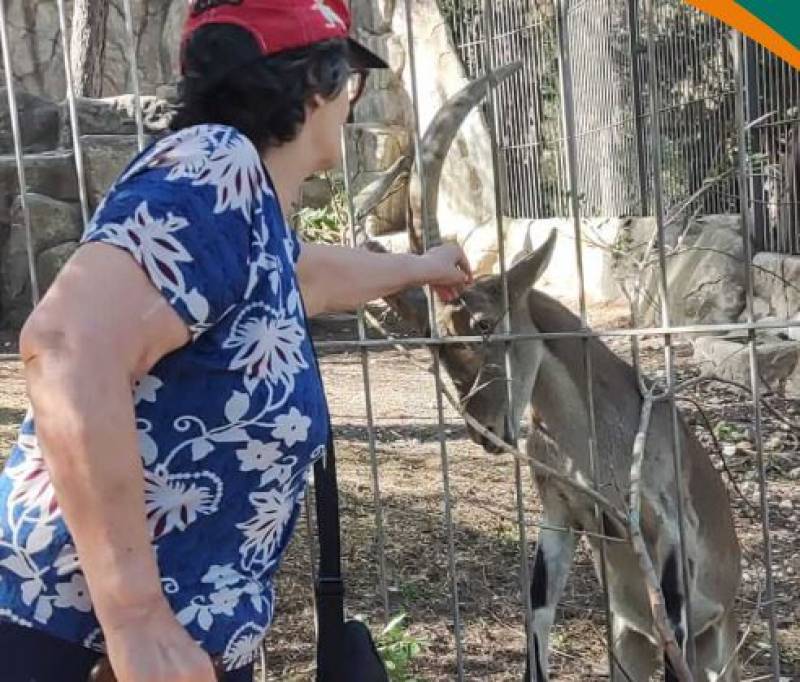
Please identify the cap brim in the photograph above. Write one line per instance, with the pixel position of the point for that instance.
(362, 58)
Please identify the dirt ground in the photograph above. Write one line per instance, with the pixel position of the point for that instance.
(485, 531)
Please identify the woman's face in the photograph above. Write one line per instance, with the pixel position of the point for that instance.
(325, 123)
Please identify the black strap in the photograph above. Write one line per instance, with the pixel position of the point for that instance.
(330, 586)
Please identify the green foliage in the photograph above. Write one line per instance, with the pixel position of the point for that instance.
(326, 225)
(728, 432)
(398, 649)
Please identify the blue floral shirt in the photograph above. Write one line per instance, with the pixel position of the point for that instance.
(228, 426)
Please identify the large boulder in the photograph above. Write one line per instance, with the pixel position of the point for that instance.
(116, 116)
(53, 224)
(776, 280)
(50, 262)
(38, 121)
(52, 174)
(705, 275)
(778, 362)
(105, 157)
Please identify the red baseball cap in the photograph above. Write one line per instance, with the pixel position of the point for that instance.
(279, 25)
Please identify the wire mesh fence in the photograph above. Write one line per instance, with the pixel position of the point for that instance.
(620, 108)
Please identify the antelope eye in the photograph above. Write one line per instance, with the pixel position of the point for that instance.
(484, 326)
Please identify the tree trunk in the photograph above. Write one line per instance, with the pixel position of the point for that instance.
(87, 46)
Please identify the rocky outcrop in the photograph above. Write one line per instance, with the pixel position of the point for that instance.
(39, 121)
(37, 59)
(778, 362)
(54, 224)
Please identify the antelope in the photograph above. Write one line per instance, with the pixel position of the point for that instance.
(548, 379)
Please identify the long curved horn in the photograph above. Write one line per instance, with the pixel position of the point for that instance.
(436, 144)
(378, 190)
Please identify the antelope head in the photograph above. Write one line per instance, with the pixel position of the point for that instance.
(477, 370)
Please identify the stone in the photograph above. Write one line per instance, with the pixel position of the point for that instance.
(38, 122)
(50, 262)
(50, 173)
(105, 157)
(776, 278)
(705, 278)
(373, 149)
(116, 116)
(315, 193)
(53, 222)
(373, 15)
(778, 362)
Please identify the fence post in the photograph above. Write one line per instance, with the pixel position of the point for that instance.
(752, 111)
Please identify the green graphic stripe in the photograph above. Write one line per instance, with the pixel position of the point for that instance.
(782, 16)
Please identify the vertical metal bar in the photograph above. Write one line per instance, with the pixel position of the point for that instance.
(511, 428)
(73, 115)
(755, 380)
(568, 118)
(437, 370)
(752, 112)
(137, 100)
(16, 134)
(365, 375)
(655, 143)
(636, 94)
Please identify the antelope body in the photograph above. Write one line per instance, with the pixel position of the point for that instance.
(548, 378)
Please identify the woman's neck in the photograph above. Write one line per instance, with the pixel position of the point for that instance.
(288, 166)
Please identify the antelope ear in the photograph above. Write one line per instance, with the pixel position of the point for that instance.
(524, 274)
(411, 306)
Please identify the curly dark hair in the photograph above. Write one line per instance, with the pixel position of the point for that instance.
(263, 97)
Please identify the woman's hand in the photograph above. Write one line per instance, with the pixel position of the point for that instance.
(447, 270)
(150, 645)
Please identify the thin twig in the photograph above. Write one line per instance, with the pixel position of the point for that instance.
(656, 596)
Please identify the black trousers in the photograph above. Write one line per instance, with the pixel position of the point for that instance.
(28, 655)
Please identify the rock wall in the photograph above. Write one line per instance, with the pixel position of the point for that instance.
(37, 57)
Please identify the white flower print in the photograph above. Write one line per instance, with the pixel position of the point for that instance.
(243, 646)
(291, 428)
(175, 501)
(220, 157)
(146, 388)
(269, 345)
(32, 487)
(224, 601)
(222, 576)
(74, 594)
(94, 640)
(236, 171)
(258, 456)
(153, 245)
(263, 532)
(186, 153)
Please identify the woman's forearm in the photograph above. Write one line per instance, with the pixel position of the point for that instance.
(341, 278)
(86, 429)
(335, 278)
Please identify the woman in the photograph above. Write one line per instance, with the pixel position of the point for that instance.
(178, 406)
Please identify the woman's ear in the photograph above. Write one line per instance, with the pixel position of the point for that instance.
(315, 103)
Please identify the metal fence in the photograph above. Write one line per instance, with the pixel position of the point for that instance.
(621, 108)
(694, 72)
